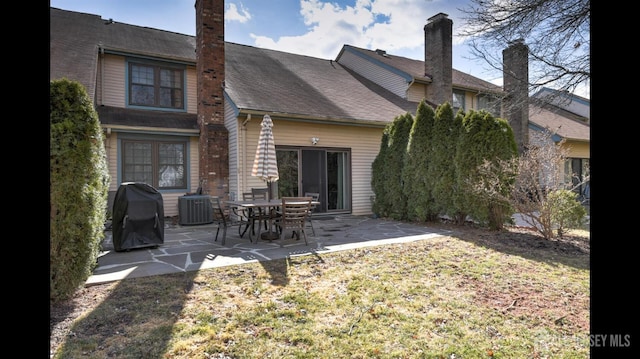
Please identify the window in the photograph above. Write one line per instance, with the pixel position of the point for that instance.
(489, 103)
(156, 86)
(576, 172)
(160, 164)
(458, 101)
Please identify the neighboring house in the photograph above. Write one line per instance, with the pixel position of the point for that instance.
(575, 104)
(567, 117)
(183, 112)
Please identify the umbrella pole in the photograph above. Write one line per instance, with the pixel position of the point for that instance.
(268, 191)
(270, 235)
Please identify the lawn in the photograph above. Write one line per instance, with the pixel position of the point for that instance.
(474, 294)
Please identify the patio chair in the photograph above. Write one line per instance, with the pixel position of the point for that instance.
(293, 217)
(262, 215)
(221, 218)
(251, 216)
(244, 215)
(315, 196)
(260, 193)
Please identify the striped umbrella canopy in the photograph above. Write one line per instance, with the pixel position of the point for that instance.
(265, 164)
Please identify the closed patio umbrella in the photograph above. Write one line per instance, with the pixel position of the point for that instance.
(265, 164)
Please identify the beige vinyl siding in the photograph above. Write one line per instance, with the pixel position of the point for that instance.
(381, 76)
(112, 89)
(113, 83)
(469, 103)
(578, 149)
(364, 143)
(417, 92)
(170, 203)
(192, 90)
(111, 148)
(231, 123)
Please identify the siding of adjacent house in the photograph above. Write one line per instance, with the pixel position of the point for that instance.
(192, 90)
(579, 149)
(111, 87)
(112, 92)
(111, 149)
(417, 92)
(235, 141)
(378, 73)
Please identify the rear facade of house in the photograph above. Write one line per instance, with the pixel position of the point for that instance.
(183, 113)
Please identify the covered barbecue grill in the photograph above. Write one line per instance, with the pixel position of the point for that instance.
(138, 217)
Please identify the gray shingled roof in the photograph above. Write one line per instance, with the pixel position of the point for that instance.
(563, 123)
(256, 79)
(415, 68)
(280, 82)
(144, 118)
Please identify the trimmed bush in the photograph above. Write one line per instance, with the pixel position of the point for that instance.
(79, 182)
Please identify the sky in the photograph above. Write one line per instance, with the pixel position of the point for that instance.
(314, 28)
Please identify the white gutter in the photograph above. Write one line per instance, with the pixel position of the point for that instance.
(151, 129)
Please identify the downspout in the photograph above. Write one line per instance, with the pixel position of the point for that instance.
(107, 139)
(243, 157)
(406, 95)
(101, 51)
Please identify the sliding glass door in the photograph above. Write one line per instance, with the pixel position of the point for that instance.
(325, 171)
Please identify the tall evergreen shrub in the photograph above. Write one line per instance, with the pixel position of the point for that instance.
(381, 202)
(417, 183)
(79, 183)
(398, 140)
(484, 138)
(442, 171)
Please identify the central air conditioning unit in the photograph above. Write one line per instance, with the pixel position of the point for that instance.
(195, 209)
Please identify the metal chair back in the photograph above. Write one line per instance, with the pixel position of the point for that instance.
(294, 214)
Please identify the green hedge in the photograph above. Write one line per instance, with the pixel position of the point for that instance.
(79, 182)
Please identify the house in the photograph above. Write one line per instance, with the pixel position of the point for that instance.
(567, 116)
(183, 113)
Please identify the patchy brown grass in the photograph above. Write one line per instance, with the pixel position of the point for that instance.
(475, 293)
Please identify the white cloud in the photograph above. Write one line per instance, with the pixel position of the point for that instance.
(233, 14)
(392, 25)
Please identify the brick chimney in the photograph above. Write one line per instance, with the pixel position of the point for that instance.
(515, 72)
(438, 58)
(213, 147)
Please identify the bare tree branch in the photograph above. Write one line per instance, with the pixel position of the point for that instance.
(557, 33)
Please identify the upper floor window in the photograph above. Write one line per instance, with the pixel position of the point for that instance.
(160, 164)
(156, 86)
(489, 103)
(458, 101)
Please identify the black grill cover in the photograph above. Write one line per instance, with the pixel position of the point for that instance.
(138, 217)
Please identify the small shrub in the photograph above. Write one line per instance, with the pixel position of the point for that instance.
(566, 210)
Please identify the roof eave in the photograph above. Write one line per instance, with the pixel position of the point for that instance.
(284, 116)
(149, 55)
